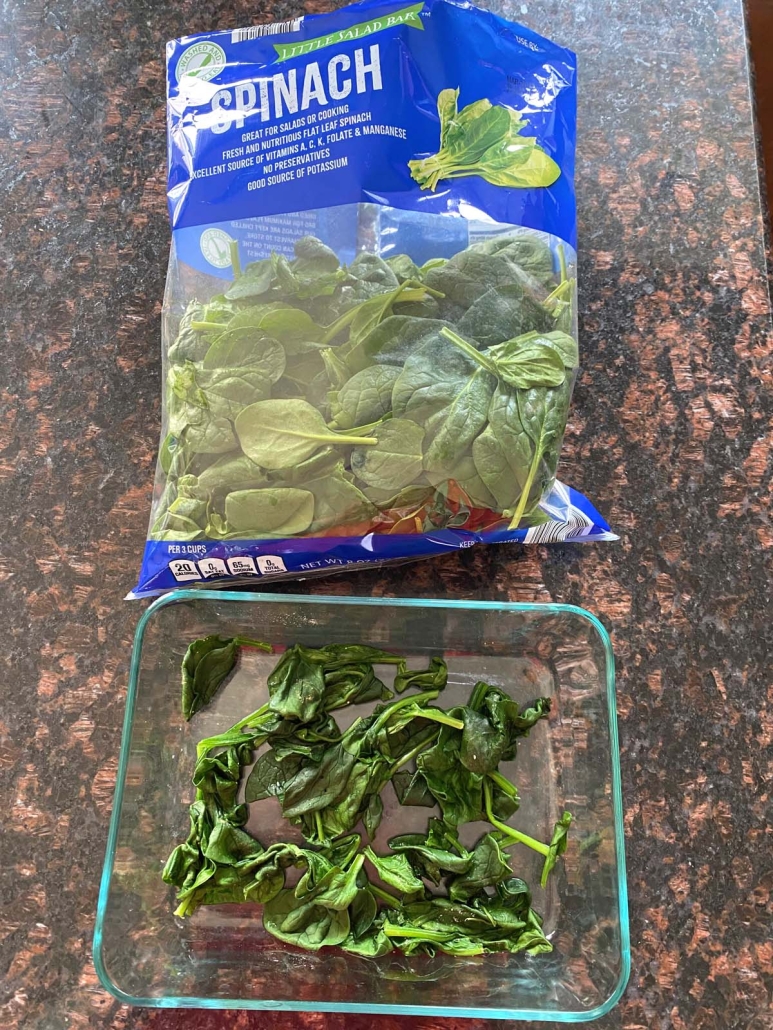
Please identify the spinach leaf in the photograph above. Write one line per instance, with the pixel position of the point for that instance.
(206, 665)
(371, 944)
(203, 430)
(243, 347)
(364, 398)
(396, 459)
(296, 686)
(412, 790)
(296, 329)
(502, 313)
(313, 258)
(319, 464)
(522, 362)
(447, 112)
(304, 923)
(256, 280)
(457, 789)
(489, 866)
(396, 871)
(363, 318)
(465, 474)
(338, 888)
(226, 391)
(362, 914)
(433, 678)
(403, 268)
(557, 846)
(413, 496)
(184, 517)
(268, 871)
(503, 452)
(565, 344)
(433, 854)
(337, 501)
(528, 251)
(266, 779)
(277, 433)
(543, 413)
(271, 511)
(392, 341)
(189, 345)
(369, 274)
(231, 473)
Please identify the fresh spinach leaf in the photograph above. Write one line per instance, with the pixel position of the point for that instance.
(276, 433)
(543, 413)
(271, 511)
(522, 362)
(396, 459)
(364, 398)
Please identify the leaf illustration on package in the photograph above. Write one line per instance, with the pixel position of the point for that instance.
(484, 139)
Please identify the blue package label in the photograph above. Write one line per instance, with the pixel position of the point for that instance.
(334, 110)
(167, 565)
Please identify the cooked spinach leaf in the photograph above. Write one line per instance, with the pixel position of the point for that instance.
(207, 663)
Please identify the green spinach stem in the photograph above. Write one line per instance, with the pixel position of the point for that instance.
(319, 826)
(386, 897)
(260, 645)
(415, 751)
(437, 716)
(557, 293)
(504, 784)
(182, 908)
(208, 327)
(235, 262)
(524, 498)
(427, 695)
(208, 743)
(391, 930)
(469, 350)
(518, 837)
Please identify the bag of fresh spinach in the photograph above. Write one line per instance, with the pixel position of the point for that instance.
(370, 319)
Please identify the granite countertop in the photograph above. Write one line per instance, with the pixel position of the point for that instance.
(670, 434)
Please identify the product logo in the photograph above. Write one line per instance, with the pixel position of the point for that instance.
(406, 16)
(216, 247)
(200, 61)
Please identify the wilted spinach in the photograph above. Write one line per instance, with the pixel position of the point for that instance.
(328, 781)
(207, 663)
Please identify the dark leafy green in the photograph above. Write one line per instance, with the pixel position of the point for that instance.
(328, 781)
(206, 665)
(381, 396)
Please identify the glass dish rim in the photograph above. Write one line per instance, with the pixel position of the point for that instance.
(266, 1004)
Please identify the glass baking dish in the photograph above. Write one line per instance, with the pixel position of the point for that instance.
(222, 958)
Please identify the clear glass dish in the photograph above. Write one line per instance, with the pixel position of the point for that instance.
(222, 958)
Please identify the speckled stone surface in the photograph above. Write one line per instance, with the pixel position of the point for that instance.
(670, 434)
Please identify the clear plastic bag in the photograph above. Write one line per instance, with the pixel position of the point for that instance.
(384, 378)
